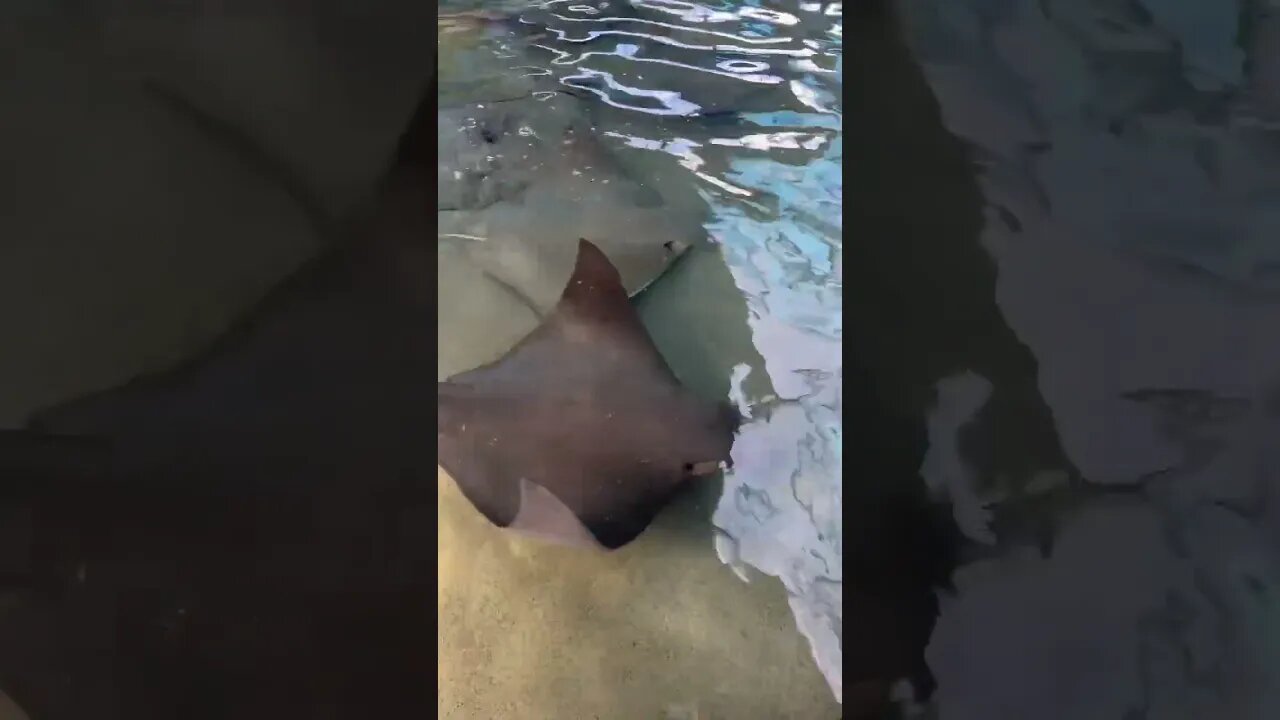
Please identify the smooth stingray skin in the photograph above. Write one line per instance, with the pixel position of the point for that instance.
(581, 432)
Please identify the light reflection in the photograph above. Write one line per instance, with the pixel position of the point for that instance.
(686, 11)
(670, 26)
(742, 66)
(811, 96)
(770, 16)
(590, 35)
(671, 102)
(628, 51)
(774, 141)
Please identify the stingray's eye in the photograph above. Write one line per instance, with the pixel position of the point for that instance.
(707, 467)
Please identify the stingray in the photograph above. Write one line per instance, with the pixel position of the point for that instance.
(581, 432)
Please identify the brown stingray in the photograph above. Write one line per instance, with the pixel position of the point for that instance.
(581, 432)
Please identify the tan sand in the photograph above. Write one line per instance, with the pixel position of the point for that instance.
(659, 629)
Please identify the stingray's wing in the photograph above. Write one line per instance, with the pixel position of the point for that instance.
(593, 338)
(544, 516)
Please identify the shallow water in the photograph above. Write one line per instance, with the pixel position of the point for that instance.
(735, 105)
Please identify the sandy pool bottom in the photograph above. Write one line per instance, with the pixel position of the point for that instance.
(657, 630)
